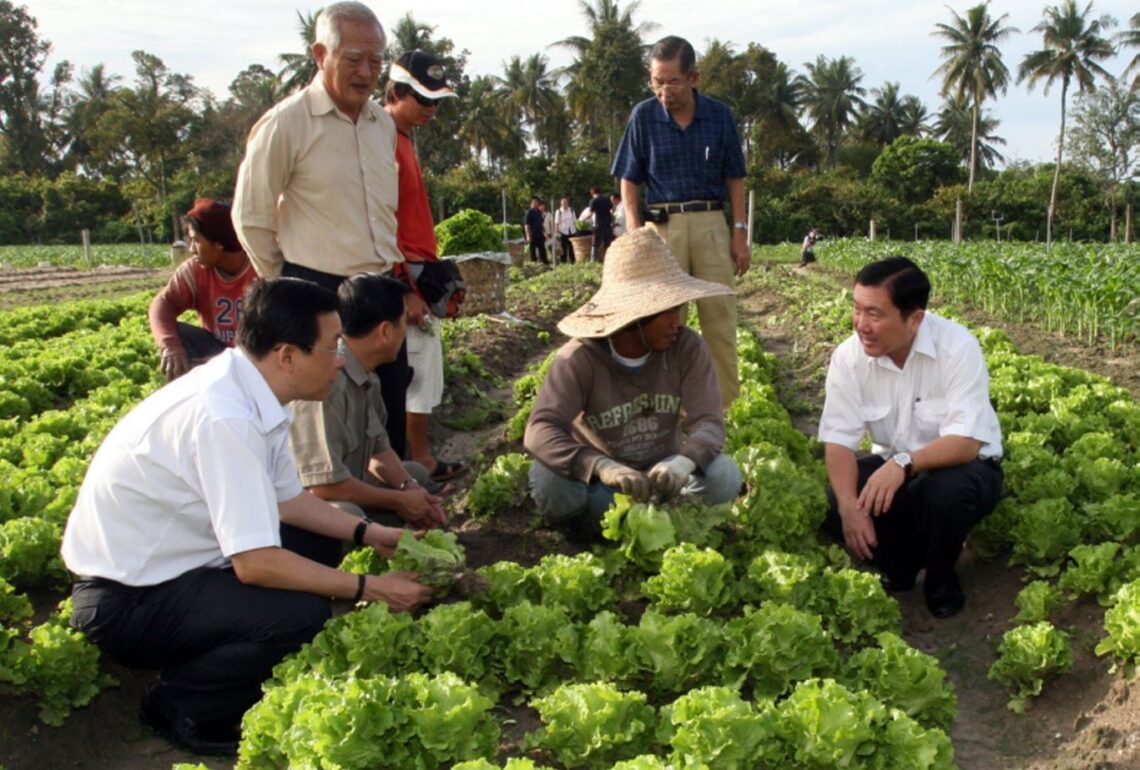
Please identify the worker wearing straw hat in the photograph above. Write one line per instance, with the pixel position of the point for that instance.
(632, 403)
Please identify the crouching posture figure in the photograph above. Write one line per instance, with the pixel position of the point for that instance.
(632, 404)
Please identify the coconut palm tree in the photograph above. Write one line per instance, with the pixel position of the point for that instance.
(955, 125)
(299, 69)
(972, 63)
(96, 89)
(410, 35)
(1130, 38)
(831, 94)
(528, 92)
(881, 122)
(913, 117)
(484, 130)
(608, 74)
(1073, 45)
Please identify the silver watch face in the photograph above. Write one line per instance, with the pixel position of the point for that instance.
(902, 459)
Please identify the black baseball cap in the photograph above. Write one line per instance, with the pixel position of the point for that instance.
(423, 72)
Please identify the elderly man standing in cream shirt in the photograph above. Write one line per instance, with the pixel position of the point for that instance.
(317, 192)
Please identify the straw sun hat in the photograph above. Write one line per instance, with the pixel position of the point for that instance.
(640, 278)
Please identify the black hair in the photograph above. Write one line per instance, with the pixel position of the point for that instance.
(367, 300)
(282, 311)
(906, 284)
(394, 91)
(672, 48)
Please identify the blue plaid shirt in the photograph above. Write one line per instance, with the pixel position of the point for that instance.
(678, 164)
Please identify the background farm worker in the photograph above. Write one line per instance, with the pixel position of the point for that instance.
(341, 448)
(548, 230)
(212, 282)
(619, 215)
(602, 215)
(806, 254)
(566, 225)
(631, 404)
(683, 146)
(918, 385)
(175, 535)
(534, 224)
(416, 86)
(317, 191)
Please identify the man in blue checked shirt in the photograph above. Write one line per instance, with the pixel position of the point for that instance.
(683, 146)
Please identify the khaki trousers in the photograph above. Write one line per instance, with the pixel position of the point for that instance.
(701, 243)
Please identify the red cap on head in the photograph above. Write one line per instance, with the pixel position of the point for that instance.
(212, 220)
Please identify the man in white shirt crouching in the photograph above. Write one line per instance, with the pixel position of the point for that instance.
(175, 535)
(917, 384)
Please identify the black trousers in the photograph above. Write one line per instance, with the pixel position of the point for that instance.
(600, 241)
(214, 638)
(567, 249)
(928, 520)
(537, 250)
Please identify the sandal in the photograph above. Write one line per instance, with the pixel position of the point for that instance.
(445, 470)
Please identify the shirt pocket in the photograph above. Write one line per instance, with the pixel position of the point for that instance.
(876, 418)
(930, 413)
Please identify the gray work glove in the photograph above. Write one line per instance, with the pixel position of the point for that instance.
(670, 475)
(622, 477)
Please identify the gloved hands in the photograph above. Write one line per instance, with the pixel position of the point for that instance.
(622, 477)
(671, 474)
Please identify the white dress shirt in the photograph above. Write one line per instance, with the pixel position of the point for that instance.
(190, 477)
(942, 390)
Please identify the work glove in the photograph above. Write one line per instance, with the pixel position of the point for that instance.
(622, 477)
(671, 474)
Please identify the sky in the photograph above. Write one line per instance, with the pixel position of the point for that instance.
(889, 40)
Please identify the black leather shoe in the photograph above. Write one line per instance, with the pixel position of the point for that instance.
(210, 739)
(946, 599)
(895, 585)
(946, 605)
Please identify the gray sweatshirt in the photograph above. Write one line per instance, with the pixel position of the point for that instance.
(590, 407)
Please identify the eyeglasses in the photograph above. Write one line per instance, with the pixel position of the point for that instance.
(655, 84)
(423, 100)
(338, 352)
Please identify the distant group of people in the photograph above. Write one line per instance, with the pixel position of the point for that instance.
(207, 532)
(604, 212)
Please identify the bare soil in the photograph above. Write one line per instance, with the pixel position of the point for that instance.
(55, 284)
(1088, 719)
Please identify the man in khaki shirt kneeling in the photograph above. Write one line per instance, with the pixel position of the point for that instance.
(342, 450)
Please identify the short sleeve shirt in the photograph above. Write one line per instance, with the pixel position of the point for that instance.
(190, 477)
(680, 164)
(942, 390)
(334, 439)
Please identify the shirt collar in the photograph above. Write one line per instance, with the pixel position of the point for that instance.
(924, 340)
(321, 103)
(353, 369)
(270, 412)
(702, 110)
(923, 345)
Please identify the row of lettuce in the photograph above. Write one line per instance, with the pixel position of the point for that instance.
(748, 628)
(67, 374)
(1087, 291)
(722, 637)
(1070, 518)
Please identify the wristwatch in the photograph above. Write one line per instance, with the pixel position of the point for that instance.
(902, 459)
(740, 225)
